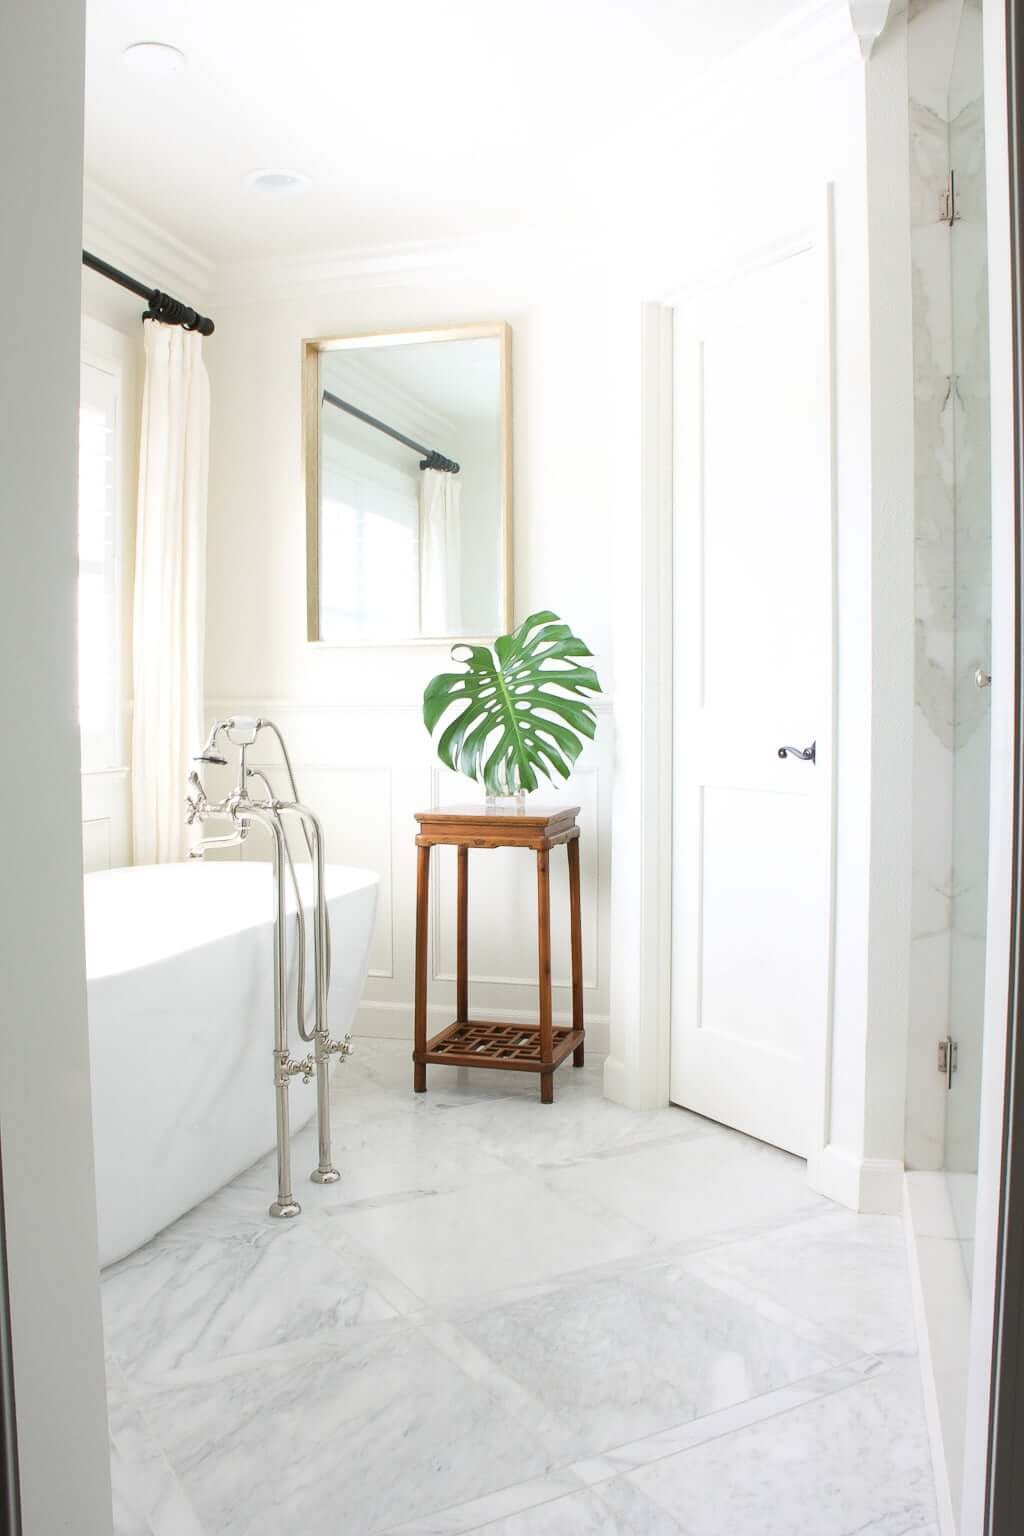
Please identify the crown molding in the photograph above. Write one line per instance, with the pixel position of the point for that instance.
(117, 233)
(242, 279)
(869, 18)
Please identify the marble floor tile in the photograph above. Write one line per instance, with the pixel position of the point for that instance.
(521, 1320)
(521, 1130)
(548, 1507)
(351, 1440)
(854, 1463)
(848, 1273)
(178, 1304)
(148, 1498)
(426, 1153)
(613, 1510)
(702, 1187)
(612, 1360)
(714, 1426)
(486, 1237)
(480, 1514)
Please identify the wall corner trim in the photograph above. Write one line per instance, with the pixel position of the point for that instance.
(868, 1185)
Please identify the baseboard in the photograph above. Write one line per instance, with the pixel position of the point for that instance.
(393, 1021)
(870, 1185)
(619, 1083)
(627, 1087)
(942, 1309)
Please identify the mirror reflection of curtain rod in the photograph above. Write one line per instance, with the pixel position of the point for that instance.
(433, 459)
(161, 306)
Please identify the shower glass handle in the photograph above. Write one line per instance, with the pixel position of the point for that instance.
(805, 754)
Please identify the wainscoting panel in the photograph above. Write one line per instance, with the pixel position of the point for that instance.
(106, 820)
(96, 844)
(354, 805)
(503, 897)
(366, 770)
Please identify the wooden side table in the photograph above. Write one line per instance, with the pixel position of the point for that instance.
(467, 1042)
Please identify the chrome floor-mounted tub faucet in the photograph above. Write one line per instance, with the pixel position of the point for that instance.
(243, 812)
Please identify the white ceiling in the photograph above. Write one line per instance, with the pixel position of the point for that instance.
(417, 120)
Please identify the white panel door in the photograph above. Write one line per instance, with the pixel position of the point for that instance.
(752, 672)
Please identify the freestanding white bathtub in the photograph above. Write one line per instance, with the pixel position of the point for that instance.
(179, 960)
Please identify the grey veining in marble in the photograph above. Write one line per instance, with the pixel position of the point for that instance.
(613, 1510)
(174, 1304)
(357, 1439)
(851, 1462)
(638, 1353)
(952, 600)
(703, 1187)
(847, 1273)
(149, 1499)
(480, 1238)
(506, 1320)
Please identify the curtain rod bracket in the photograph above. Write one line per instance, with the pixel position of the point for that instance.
(161, 306)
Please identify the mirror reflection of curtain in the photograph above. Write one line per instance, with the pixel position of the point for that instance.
(440, 564)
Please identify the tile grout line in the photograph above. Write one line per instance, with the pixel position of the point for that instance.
(420, 1524)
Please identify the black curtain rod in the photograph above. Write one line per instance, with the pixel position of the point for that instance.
(432, 459)
(161, 305)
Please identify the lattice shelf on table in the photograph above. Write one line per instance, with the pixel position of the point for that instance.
(479, 1042)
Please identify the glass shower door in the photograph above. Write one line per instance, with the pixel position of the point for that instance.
(969, 385)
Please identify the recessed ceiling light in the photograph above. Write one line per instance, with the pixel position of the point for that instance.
(154, 59)
(278, 183)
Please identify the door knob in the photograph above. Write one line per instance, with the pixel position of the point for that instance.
(982, 679)
(805, 754)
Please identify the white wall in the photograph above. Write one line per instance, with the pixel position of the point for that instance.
(45, 1115)
(352, 717)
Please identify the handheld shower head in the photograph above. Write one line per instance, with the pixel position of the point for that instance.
(209, 754)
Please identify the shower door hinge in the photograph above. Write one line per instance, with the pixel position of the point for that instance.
(947, 1062)
(949, 202)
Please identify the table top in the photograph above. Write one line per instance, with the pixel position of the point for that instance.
(535, 816)
(498, 826)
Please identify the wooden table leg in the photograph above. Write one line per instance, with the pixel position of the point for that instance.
(422, 930)
(547, 1075)
(576, 943)
(462, 941)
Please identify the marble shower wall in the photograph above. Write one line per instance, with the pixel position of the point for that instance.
(951, 603)
(973, 590)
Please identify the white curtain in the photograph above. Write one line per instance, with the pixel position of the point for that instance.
(170, 589)
(440, 565)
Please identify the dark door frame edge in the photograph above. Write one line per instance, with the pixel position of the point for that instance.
(1005, 1469)
(10, 1482)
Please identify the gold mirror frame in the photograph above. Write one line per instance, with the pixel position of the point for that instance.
(311, 350)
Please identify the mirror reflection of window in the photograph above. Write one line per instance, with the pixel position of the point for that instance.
(412, 513)
(369, 541)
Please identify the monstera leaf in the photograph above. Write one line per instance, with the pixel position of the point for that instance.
(520, 709)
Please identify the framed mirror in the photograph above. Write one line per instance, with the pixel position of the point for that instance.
(408, 442)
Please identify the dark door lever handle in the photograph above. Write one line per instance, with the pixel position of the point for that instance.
(805, 754)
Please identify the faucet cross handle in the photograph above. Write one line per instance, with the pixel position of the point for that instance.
(198, 802)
